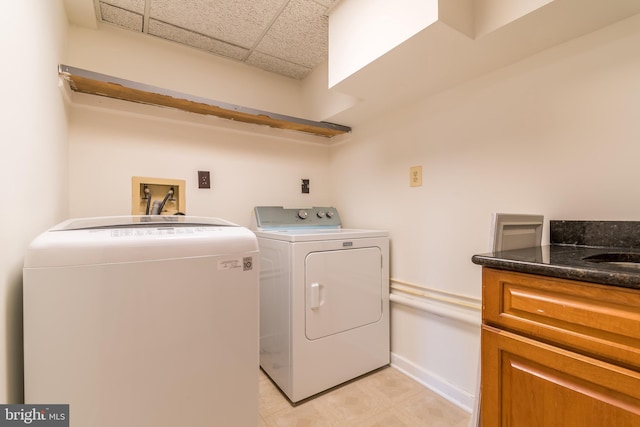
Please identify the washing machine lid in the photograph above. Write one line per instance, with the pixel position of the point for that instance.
(139, 221)
(109, 240)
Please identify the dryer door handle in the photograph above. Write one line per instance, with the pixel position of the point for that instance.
(315, 296)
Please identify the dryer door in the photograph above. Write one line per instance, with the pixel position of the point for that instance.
(343, 290)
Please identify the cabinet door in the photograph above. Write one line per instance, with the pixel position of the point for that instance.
(526, 383)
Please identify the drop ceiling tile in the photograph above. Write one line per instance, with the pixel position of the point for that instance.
(121, 17)
(279, 66)
(299, 34)
(287, 37)
(236, 22)
(326, 3)
(180, 35)
(136, 6)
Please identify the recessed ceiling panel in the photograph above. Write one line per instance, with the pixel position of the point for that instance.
(276, 65)
(237, 22)
(326, 3)
(136, 6)
(298, 35)
(287, 37)
(189, 38)
(121, 17)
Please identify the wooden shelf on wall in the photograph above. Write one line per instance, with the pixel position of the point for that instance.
(112, 87)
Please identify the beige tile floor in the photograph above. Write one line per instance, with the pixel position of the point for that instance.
(385, 398)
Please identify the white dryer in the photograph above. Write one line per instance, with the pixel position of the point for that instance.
(144, 321)
(324, 299)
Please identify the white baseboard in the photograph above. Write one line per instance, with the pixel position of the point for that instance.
(453, 394)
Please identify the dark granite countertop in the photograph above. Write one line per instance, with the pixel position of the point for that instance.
(570, 243)
(566, 262)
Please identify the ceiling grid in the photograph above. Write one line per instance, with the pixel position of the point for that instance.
(286, 37)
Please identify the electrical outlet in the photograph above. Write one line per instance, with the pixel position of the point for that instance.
(415, 176)
(305, 186)
(204, 179)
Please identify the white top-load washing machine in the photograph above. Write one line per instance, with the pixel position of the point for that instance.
(324, 299)
(144, 321)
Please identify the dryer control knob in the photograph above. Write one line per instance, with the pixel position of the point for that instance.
(302, 214)
(330, 214)
(320, 214)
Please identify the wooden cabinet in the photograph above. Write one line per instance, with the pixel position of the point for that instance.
(559, 352)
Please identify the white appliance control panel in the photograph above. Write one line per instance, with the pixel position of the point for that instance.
(268, 217)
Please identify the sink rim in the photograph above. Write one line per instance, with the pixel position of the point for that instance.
(623, 259)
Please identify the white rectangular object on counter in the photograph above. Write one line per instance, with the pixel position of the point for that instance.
(516, 231)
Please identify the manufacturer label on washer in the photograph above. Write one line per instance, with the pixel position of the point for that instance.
(245, 264)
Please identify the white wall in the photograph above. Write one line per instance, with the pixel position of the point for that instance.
(556, 134)
(153, 61)
(33, 164)
(111, 141)
(360, 31)
(247, 169)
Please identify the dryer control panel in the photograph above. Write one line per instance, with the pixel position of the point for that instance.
(270, 217)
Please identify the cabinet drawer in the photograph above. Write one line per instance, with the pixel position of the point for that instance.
(597, 320)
